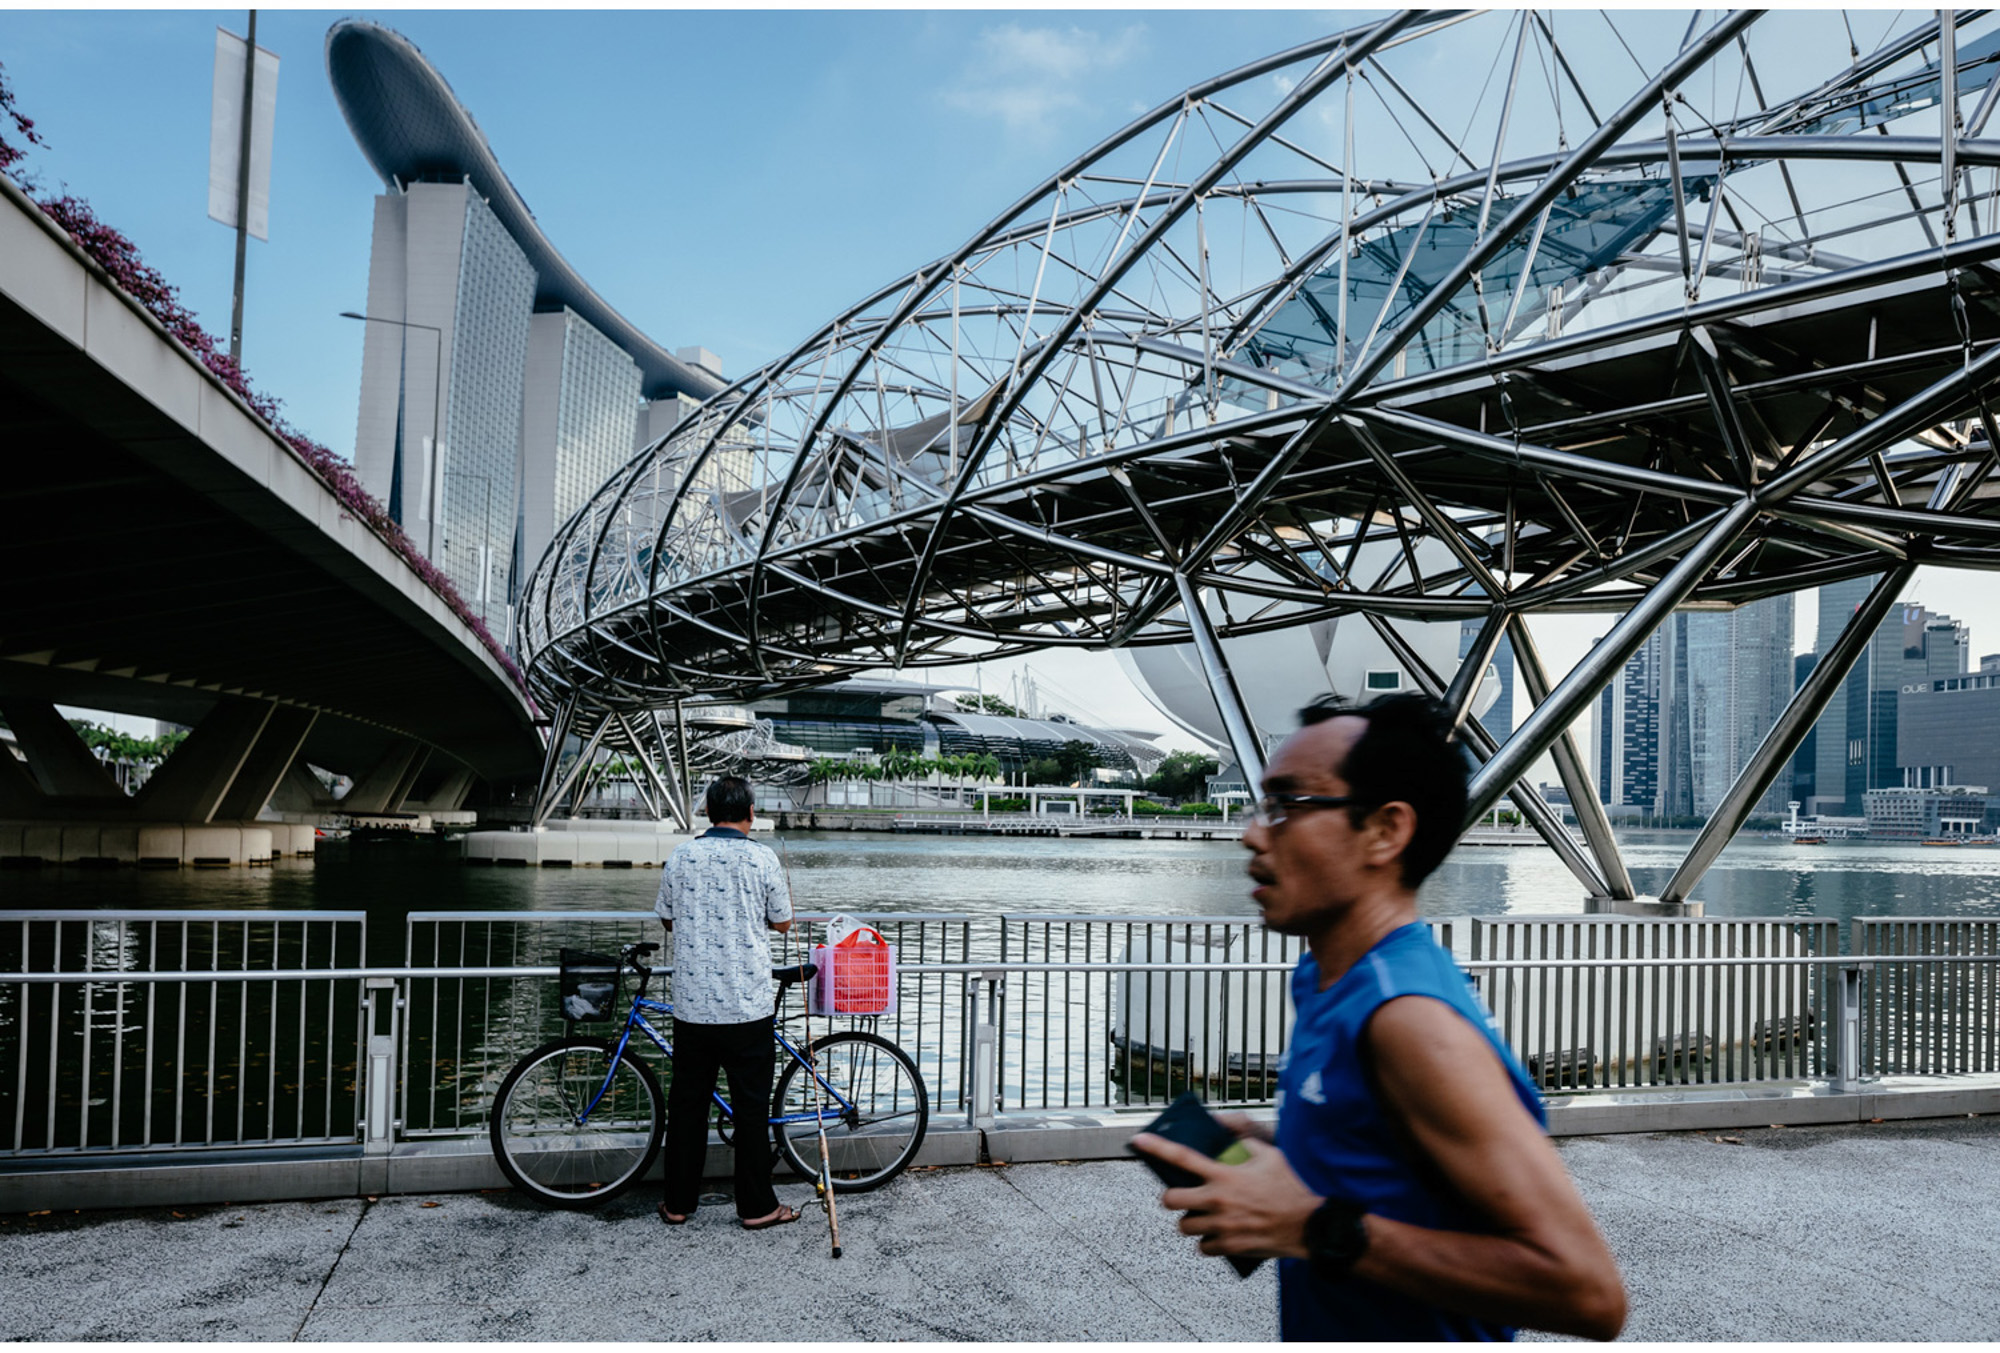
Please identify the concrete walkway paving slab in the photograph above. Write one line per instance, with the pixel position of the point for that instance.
(249, 1272)
(1112, 1205)
(1877, 1232)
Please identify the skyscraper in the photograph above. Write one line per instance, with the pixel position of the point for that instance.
(498, 390)
(461, 292)
(1628, 732)
(1499, 716)
(1682, 719)
(1738, 674)
(1857, 733)
(1805, 761)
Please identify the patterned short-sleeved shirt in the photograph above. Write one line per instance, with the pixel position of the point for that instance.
(721, 890)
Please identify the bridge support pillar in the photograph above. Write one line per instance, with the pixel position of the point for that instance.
(192, 784)
(59, 764)
(389, 781)
(265, 766)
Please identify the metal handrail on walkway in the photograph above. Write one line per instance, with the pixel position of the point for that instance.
(132, 1031)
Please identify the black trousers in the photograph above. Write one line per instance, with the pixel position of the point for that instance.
(743, 1052)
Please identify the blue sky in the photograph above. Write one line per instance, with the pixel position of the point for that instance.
(728, 179)
(724, 178)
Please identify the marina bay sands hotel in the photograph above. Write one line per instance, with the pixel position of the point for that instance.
(498, 390)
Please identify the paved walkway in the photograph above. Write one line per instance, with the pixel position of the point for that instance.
(1877, 1232)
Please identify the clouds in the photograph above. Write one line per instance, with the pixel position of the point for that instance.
(1027, 78)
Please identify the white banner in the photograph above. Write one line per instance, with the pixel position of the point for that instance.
(225, 133)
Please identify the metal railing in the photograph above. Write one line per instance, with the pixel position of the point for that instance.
(462, 1033)
(1595, 1002)
(126, 1031)
(1935, 1017)
(158, 1030)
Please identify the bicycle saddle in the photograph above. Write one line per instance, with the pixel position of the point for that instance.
(796, 972)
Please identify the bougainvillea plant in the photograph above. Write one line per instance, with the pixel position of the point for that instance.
(120, 259)
(24, 127)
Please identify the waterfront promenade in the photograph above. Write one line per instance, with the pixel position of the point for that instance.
(1876, 1232)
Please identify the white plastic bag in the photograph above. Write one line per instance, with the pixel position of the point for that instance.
(841, 926)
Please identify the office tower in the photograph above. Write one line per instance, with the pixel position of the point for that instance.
(1499, 716)
(1805, 766)
(1857, 734)
(1948, 732)
(1738, 672)
(460, 290)
(1628, 733)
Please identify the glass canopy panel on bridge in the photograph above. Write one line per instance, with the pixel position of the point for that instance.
(1589, 228)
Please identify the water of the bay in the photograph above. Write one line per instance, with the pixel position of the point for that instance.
(874, 872)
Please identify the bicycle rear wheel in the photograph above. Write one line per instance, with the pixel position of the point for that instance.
(874, 1136)
(549, 1147)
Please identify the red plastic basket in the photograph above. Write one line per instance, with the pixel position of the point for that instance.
(856, 976)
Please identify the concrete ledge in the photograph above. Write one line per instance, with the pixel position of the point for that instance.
(629, 846)
(180, 1178)
(1791, 1103)
(460, 1164)
(439, 1165)
(152, 843)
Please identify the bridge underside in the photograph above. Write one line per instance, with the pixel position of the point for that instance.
(163, 555)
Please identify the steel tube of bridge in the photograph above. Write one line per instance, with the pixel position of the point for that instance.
(1229, 701)
(1575, 775)
(1612, 652)
(1479, 746)
(1787, 733)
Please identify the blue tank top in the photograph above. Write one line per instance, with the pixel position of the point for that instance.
(1343, 1143)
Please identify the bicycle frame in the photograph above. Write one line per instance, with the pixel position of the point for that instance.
(635, 1018)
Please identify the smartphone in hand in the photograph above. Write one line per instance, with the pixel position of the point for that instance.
(1188, 1122)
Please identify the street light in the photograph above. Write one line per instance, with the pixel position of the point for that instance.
(437, 397)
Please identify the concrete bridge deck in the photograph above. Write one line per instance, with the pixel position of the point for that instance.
(1876, 1231)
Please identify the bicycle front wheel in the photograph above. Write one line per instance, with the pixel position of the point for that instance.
(872, 1101)
(575, 1129)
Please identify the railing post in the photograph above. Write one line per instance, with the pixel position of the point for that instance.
(383, 1011)
(1848, 1046)
(983, 1048)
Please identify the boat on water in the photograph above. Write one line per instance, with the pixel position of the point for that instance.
(1808, 840)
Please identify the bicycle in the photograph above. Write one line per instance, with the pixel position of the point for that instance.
(580, 1120)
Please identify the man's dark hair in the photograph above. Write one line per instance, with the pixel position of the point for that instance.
(1408, 756)
(729, 799)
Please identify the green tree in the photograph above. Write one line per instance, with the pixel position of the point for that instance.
(1077, 759)
(1044, 770)
(988, 704)
(1183, 775)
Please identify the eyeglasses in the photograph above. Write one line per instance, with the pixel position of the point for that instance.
(1273, 809)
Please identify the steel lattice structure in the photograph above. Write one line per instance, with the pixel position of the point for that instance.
(1627, 327)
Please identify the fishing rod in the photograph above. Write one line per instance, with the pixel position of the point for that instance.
(824, 1183)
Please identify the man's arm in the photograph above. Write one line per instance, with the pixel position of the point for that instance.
(777, 897)
(1546, 1266)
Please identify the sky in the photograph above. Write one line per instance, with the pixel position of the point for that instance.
(728, 179)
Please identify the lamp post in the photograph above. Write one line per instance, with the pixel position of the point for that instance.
(437, 397)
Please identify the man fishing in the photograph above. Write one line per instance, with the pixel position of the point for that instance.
(720, 896)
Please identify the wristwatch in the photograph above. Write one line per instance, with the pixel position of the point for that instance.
(1335, 1238)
